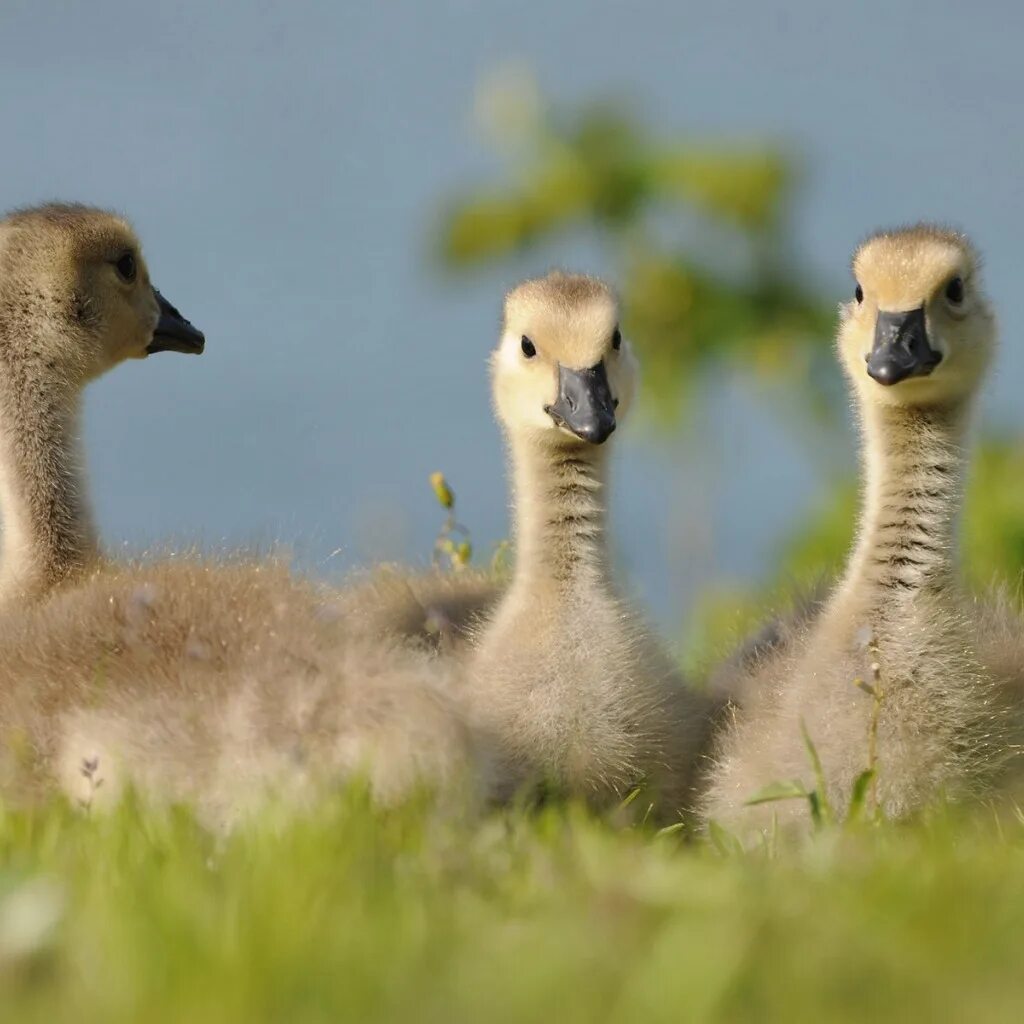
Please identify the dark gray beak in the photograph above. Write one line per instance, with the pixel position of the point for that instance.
(173, 332)
(901, 348)
(585, 405)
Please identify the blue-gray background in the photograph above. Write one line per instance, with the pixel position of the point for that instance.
(283, 164)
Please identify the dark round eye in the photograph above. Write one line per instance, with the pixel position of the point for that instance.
(125, 267)
(617, 339)
(955, 291)
(529, 349)
(858, 294)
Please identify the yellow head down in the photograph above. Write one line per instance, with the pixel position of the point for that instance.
(562, 371)
(75, 290)
(919, 330)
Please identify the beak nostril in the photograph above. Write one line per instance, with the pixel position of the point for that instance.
(901, 347)
(585, 404)
(615, 403)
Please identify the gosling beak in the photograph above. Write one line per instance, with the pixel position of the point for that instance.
(901, 348)
(173, 333)
(585, 405)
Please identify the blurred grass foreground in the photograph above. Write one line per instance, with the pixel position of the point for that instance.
(357, 915)
(354, 914)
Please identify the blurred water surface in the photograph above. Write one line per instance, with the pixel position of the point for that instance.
(283, 164)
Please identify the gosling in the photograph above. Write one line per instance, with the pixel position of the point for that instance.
(75, 301)
(564, 676)
(915, 344)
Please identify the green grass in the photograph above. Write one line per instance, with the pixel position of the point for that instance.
(355, 914)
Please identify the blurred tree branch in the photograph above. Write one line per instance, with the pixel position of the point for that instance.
(596, 167)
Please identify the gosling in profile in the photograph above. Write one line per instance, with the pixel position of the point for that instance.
(218, 681)
(75, 300)
(564, 675)
(915, 344)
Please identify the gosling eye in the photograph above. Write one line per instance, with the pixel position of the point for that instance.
(858, 294)
(617, 339)
(126, 268)
(955, 291)
(529, 349)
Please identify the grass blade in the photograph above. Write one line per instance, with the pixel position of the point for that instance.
(823, 812)
(792, 790)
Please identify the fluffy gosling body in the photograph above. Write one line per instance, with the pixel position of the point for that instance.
(431, 606)
(75, 300)
(915, 343)
(221, 685)
(216, 682)
(564, 675)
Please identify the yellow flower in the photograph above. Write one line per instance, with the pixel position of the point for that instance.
(442, 491)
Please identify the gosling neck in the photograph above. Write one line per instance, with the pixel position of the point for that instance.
(560, 516)
(914, 463)
(48, 531)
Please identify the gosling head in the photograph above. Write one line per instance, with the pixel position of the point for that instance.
(919, 330)
(75, 293)
(562, 372)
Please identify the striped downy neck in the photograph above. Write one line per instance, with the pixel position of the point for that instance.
(914, 464)
(560, 515)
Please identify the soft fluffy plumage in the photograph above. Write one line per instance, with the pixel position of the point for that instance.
(66, 317)
(949, 667)
(221, 684)
(434, 607)
(564, 674)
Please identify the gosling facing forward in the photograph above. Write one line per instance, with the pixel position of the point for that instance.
(915, 343)
(564, 673)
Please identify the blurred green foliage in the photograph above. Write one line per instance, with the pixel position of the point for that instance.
(726, 290)
(697, 235)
